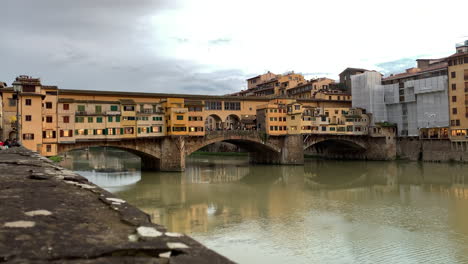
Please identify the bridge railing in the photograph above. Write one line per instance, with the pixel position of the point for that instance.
(228, 133)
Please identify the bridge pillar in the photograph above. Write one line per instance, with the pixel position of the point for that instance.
(172, 154)
(292, 151)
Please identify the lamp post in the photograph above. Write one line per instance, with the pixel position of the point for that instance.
(17, 89)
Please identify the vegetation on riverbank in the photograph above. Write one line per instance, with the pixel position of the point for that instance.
(56, 158)
(205, 153)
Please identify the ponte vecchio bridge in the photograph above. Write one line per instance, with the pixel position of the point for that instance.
(163, 129)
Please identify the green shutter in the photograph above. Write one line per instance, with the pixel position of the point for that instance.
(139, 130)
(86, 131)
(117, 119)
(114, 108)
(121, 131)
(109, 119)
(105, 131)
(99, 119)
(113, 131)
(90, 119)
(76, 131)
(151, 129)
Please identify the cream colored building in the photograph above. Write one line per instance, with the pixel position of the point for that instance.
(458, 88)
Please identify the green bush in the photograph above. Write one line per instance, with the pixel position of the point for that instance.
(56, 158)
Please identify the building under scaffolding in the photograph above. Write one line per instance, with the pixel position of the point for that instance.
(367, 93)
(417, 101)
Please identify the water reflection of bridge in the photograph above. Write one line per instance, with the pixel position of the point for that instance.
(229, 191)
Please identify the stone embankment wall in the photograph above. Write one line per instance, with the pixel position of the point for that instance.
(52, 215)
(432, 150)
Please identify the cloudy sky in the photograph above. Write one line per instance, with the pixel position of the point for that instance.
(212, 46)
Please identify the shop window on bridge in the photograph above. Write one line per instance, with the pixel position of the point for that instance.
(49, 134)
(66, 133)
(232, 106)
(196, 129)
(28, 136)
(129, 108)
(129, 130)
(459, 132)
(213, 105)
(179, 129)
(195, 109)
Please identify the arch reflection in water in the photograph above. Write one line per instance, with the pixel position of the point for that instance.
(109, 168)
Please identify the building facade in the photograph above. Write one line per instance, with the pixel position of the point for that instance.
(50, 116)
(368, 93)
(458, 92)
(416, 101)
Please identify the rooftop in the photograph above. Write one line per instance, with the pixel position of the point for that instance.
(438, 66)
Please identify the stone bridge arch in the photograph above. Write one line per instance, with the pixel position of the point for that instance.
(250, 140)
(265, 150)
(148, 150)
(348, 142)
(363, 147)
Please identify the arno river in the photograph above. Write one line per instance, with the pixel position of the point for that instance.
(323, 212)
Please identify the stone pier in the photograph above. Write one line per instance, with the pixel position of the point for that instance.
(52, 215)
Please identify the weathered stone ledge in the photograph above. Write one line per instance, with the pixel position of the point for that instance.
(52, 215)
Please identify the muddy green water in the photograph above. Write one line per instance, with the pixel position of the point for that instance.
(323, 212)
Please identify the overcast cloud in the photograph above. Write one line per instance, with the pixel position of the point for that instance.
(211, 47)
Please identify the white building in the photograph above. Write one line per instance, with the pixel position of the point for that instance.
(368, 93)
(417, 101)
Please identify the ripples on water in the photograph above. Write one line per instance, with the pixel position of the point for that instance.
(323, 212)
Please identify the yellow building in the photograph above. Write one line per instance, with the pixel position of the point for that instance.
(271, 117)
(458, 88)
(176, 116)
(49, 116)
(196, 121)
(270, 84)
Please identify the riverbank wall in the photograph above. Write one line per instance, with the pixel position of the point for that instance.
(52, 215)
(431, 150)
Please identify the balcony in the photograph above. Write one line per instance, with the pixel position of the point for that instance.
(146, 112)
(113, 113)
(81, 113)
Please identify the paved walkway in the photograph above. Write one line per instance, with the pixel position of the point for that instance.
(49, 214)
